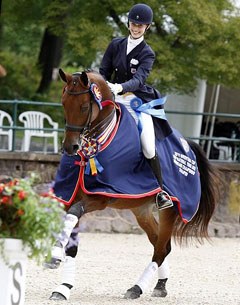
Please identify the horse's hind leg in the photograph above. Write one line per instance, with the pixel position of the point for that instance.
(163, 275)
(163, 248)
(149, 224)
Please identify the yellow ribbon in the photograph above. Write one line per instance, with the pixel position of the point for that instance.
(93, 166)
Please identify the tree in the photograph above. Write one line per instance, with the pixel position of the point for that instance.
(192, 39)
(49, 58)
(195, 40)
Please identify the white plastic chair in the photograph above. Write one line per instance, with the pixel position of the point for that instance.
(37, 120)
(5, 119)
(227, 151)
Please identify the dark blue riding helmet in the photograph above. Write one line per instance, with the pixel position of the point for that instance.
(141, 14)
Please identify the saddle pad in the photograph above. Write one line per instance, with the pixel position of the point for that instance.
(180, 173)
(127, 174)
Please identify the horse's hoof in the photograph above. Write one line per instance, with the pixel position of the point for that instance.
(52, 264)
(56, 296)
(61, 293)
(57, 256)
(160, 293)
(160, 290)
(133, 293)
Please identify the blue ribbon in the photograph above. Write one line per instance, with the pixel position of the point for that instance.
(98, 166)
(149, 108)
(138, 106)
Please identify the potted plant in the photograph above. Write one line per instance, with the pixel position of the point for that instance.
(29, 223)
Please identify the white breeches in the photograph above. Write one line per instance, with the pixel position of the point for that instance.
(147, 135)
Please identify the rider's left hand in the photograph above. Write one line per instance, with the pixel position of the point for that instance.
(115, 88)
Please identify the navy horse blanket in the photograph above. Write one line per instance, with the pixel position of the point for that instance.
(123, 171)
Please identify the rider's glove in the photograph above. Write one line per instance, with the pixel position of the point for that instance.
(115, 88)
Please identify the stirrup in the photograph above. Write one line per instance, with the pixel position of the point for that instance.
(163, 205)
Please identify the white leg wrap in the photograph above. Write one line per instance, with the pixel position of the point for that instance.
(58, 253)
(69, 268)
(163, 270)
(69, 224)
(147, 276)
(63, 290)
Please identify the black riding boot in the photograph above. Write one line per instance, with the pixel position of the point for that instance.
(162, 201)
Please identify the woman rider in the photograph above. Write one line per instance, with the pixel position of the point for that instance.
(126, 65)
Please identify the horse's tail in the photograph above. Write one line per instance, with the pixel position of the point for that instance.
(209, 177)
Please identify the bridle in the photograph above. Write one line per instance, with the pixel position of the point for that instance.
(87, 125)
(96, 129)
(86, 128)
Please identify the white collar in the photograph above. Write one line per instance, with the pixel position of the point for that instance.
(132, 43)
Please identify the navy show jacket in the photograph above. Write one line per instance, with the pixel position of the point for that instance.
(132, 70)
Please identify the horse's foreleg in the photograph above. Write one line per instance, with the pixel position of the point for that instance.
(67, 242)
(62, 292)
(58, 251)
(73, 215)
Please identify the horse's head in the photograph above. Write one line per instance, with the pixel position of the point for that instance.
(81, 99)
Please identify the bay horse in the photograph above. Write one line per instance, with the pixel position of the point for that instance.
(88, 112)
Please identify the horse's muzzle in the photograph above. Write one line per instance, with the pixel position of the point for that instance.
(70, 149)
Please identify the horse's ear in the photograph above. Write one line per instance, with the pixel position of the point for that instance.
(62, 75)
(84, 78)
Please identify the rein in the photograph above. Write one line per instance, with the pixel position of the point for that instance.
(101, 126)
